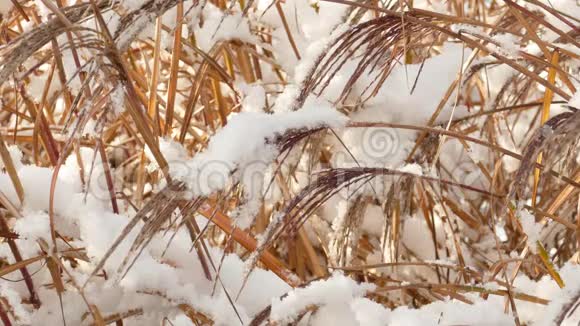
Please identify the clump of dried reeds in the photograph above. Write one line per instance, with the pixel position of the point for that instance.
(147, 75)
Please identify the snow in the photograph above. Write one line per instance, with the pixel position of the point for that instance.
(570, 8)
(343, 303)
(254, 97)
(373, 220)
(575, 101)
(335, 291)
(13, 300)
(417, 237)
(368, 312)
(15, 155)
(131, 5)
(437, 74)
(305, 24)
(412, 168)
(118, 99)
(95, 227)
(507, 44)
(531, 229)
(246, 144)
(216, 28)
(32, 226)
(174, 154)
(245, 152)
(389, 147)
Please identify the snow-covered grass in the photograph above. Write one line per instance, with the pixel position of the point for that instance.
(304, 162)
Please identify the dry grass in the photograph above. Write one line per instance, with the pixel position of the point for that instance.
(156, 104)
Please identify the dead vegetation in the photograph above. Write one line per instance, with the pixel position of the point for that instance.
(179, 91)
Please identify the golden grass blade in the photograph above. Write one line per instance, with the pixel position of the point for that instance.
(248, 242)
(52, 266)
(193, 315)
(468, 288)
(564, 194)
(545, 257)
(313, 260)
(118, 317)
(548, 96)
(99, 320)
(152, 107)
(287, 29)
(172, 87)
(20, 9)
(19, 265)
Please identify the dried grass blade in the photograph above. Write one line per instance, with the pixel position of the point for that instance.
(11, 169)
(287, 29)
(97, 316)
(20, 9)
(548, 96)
(248, 242)
(152, 106)
(172, 87)
(53, 266)
(118, 317)
(545, 257)
(19, 265)
(108, 176)
(4, 316)
(194, 315)
(16, 252)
